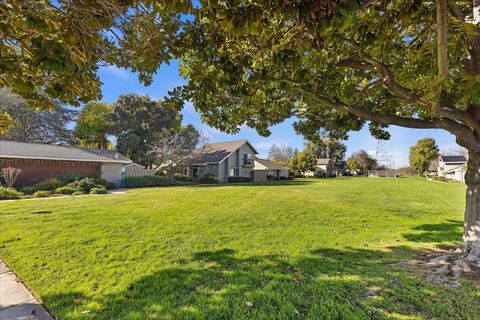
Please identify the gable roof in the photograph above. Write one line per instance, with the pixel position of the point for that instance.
(270, 164)
(27, 150)
(219, 151)
(454, 159)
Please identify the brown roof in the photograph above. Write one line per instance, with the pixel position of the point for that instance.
(28, 150)
(218, 151)
(270, 164)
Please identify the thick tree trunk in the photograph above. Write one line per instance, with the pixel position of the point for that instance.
(471, 234)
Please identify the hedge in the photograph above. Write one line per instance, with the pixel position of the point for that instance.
(148, 181)
(239, 179)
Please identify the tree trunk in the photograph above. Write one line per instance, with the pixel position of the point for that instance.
(471, 234)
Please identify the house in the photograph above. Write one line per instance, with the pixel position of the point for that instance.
(266, 170)
(225, 159)
(40, 162)
(452, 167)
(324, 169)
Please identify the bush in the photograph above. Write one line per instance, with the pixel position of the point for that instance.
(67, 190)
(148, 181)
(78, 193)
(442, 179)
(160, 173)
(9, 193)
(47, 185)
(41, 194)
(98, 190)
(181, 177)
(208, 179)
(85, 184)
(239, 179)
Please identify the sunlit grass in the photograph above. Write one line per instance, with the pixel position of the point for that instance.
(305, 249)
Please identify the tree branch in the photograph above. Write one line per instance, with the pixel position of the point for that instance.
(464, 134)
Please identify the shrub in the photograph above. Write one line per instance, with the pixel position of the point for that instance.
(78, 193)
(47, 185)
(66, 190)
(85, 184)
(180, 177)
(148, 181)
(442, 179)
(208, 179)
(160, 173)
(9, 193)
(41, 194)
(98, 190)
(239, 179)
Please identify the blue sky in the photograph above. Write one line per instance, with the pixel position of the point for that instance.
(120, 81)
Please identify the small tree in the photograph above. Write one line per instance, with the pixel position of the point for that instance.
(353, 164)
(303, 162)
(10, 175)
(364, 160)
(93, 125)
(422, 153)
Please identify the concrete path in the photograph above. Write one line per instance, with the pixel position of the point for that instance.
(16, 302)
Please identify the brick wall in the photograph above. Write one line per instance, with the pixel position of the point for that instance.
(34, 171)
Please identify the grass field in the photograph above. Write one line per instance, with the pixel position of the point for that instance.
(308, 249)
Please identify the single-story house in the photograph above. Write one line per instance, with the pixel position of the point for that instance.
(40, 162)
(225, 159)
(324, 169)
(452, 167)
(266, 169)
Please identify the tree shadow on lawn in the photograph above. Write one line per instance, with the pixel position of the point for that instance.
(325, 284)
(444, 233)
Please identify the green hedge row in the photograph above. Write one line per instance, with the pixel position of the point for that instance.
(148, 181)
(239, 179)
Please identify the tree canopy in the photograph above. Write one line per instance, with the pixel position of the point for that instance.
(53, 49)
(327, 148)
(136, 123)
(361, 160)
(93, 124)
(280, 154)
(29, 125)
(424, 151)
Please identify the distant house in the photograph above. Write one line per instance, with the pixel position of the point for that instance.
(225, 159)
(324, 169)
(452, 167)
(40, 162)
(266, 169)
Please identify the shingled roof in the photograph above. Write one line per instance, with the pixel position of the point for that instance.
(219, 151)
(454, 159)
(26, 150)
(270, 164)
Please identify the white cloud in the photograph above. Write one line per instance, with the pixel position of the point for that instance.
(117, 72)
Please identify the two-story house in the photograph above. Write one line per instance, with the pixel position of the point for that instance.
(225, 159)
(452, 167)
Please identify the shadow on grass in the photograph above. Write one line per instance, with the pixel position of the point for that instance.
(449, 232)
(325, 284)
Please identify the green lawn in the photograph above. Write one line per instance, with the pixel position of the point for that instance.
(308, 249)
